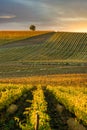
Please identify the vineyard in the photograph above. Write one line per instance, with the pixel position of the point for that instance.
(43, 80)
(51, 53)
(27, 107)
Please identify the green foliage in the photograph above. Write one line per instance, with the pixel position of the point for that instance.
(32, 27)
(73, 99)
(38, 107)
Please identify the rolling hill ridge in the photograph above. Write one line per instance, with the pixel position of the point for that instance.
(50, 53)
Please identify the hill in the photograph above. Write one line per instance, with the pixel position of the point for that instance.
(51, 53)
(11, 36)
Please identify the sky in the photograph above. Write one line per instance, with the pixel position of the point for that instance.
(58, 15)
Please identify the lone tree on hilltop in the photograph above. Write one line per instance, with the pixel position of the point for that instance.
(32, 27)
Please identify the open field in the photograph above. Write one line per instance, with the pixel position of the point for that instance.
(60, 79)
(52, 53)
(43, 81)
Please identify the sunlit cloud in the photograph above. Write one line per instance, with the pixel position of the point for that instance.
(74, 19)
(67, 15)
(7, 16)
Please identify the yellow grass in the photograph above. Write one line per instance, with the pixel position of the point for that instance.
(63, 79)
(18, 34)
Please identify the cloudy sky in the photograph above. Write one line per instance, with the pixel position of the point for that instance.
(59, 15)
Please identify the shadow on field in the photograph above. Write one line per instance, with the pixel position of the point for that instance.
(39, 39)
(58, 121)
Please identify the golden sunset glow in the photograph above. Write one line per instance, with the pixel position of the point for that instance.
(77, 27)
(59, 15)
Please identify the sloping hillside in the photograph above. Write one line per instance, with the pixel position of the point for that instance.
(52, 53)
(67, 46)
(11, 36)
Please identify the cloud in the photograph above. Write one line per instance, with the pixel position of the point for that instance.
(7, 16)
(73, 19)
(45, 14)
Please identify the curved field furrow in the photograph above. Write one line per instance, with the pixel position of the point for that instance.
(61, 52)
(61, 46)
(69, 45)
